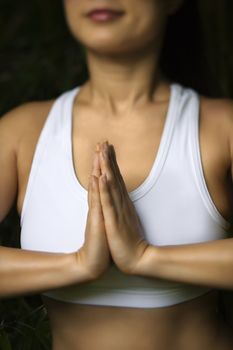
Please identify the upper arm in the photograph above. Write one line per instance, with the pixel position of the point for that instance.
(15, 126)
(229, 114)
(12, 126)
(8, 164)
(220, 121)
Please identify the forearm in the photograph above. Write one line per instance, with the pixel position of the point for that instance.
(208, 264)
(25, 271)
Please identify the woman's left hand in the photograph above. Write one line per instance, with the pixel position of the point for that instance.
(123, 228)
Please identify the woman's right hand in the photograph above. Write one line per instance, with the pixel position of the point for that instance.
(94, 255)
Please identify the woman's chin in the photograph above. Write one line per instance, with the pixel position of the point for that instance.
(106, 50)
(109, 48)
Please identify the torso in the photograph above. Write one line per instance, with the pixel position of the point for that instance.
(190, 325)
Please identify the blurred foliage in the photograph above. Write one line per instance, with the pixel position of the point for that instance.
(39, 59)
(24, 326)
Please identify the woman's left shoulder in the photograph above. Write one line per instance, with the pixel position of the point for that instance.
(217, 117)
(217, 110)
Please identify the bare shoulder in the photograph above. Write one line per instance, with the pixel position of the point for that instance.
(24, 119)
(217, 116)
(219, 110)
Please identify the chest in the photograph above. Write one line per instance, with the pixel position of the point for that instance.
(136, 145)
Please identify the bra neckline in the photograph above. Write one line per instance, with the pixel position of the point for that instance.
(159, 157)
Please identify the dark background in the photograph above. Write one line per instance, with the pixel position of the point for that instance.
(39, 59)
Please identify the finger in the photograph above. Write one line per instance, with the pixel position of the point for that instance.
(108, 205)
(117, 170)
(94, 192)
(95, 171)
(89, 192)
(125, 195)
(113, 185)
(95, 164)
(103, 162)
(95, 197)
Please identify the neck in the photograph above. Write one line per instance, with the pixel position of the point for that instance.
(121, 84)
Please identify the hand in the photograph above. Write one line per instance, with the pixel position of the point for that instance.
(94, 255)
(123, 228)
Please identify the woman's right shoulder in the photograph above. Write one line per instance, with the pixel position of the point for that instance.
(23, 120)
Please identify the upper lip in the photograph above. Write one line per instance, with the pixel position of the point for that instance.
(103, 9)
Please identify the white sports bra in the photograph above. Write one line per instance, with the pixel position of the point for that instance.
(173, 204)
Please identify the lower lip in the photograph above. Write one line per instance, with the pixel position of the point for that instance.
(104, 16)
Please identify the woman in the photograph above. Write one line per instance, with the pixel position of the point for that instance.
(132, 256)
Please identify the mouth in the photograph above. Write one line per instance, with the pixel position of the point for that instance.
(104, 14)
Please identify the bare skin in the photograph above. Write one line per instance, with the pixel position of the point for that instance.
(193, 325)
(129, 111)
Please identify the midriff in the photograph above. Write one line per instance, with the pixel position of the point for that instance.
(194, 325)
